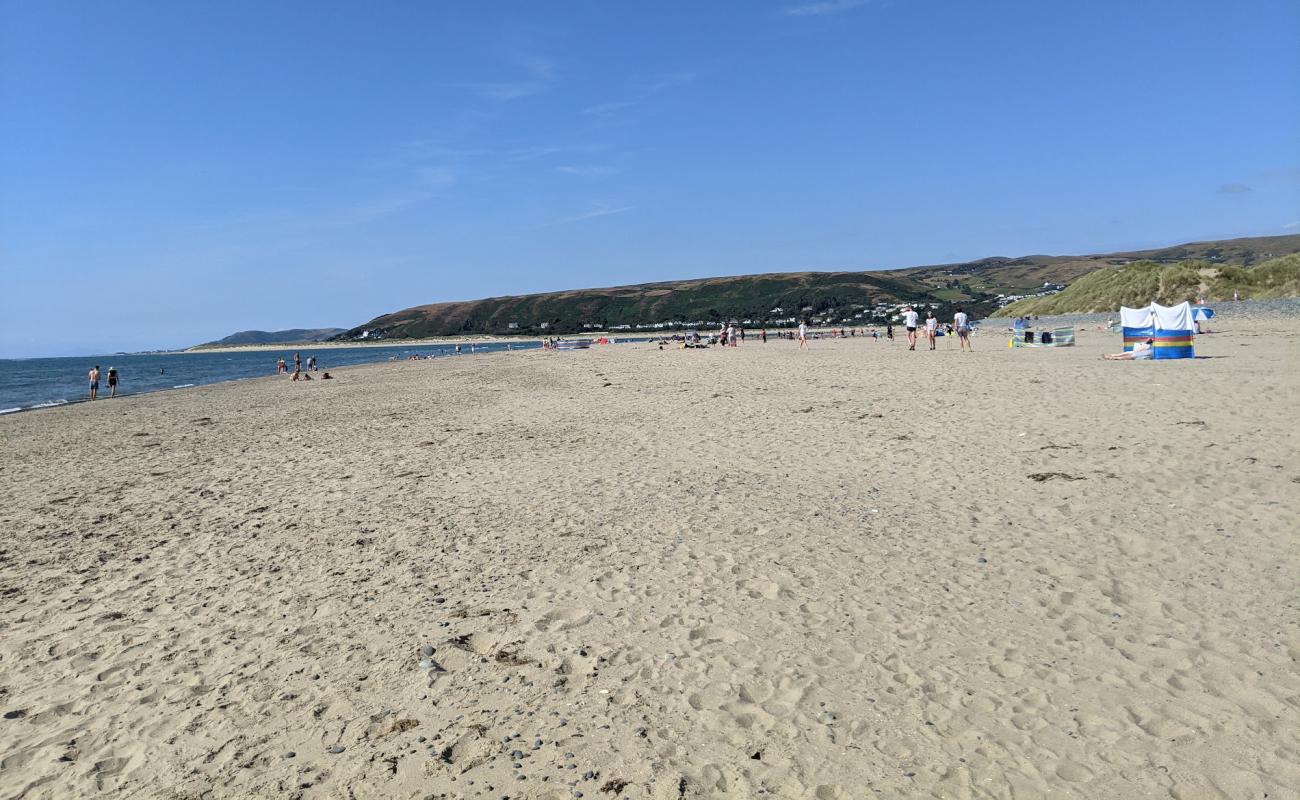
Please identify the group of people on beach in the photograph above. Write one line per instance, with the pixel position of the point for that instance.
(281, 368)
(960, 326)
(730, 335)
(299, 373)
(94, 376)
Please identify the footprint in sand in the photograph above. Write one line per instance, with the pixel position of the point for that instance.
(564, 618)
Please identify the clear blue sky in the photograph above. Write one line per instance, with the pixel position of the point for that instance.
(171, 172)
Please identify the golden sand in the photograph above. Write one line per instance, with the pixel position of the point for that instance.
(852, 571)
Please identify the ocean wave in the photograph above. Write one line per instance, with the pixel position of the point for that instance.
(182, 386)
(9, 410)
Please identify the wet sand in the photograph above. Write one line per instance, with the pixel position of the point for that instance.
(852, 571)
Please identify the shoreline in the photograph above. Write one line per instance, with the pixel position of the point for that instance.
(49, 405)
(435, 341)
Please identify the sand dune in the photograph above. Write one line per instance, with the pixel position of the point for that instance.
(848, 572)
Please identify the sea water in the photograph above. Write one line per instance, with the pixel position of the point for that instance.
(42, 382)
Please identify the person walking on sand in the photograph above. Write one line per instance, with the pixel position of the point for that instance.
(961, 322)
(731, 335)
(297, 362)
(94, 382)
(909, 322)
(889, 331)
(762, 335)
(803, 334)
(931, 326)
(112, 381)
(280, 367)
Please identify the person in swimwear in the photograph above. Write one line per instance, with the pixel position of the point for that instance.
(1140, 352)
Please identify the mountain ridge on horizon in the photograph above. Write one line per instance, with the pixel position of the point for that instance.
(286, 336)
(842, 297)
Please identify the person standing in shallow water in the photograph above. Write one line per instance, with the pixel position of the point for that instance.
(112, 381)
(94, 382)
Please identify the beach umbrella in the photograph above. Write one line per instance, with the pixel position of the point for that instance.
(1200, 313)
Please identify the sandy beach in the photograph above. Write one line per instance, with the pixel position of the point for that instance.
(848, 572)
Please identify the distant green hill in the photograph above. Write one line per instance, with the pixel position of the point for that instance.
(833, 298)
(1141, 282)
(756, 298)
(290, 336)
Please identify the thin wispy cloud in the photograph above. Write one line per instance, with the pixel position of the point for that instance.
(607, 109)
(822, 8)
(504, 91)
(600, 211)
(422, 184)
(671, 80)
(644, 88)
(540, 67)
(441, 151)
(540, 76)
(588, 170)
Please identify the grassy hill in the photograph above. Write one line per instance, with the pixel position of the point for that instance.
(290, 336)
(1141, 282)
(834, 297)
(752, 297)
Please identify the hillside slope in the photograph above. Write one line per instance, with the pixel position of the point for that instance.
(1141, 282)
(753, 297)
(829, 297)
(289, 336)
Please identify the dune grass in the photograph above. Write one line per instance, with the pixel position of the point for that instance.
(1141, 282)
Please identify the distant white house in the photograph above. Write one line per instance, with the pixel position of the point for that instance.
(544, 325)
(513, 326)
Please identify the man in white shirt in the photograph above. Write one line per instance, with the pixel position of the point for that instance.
(909, 322)
(931, 326)
(961, 323)
(803, 334)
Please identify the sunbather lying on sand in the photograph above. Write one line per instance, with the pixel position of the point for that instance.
(1140, 352)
